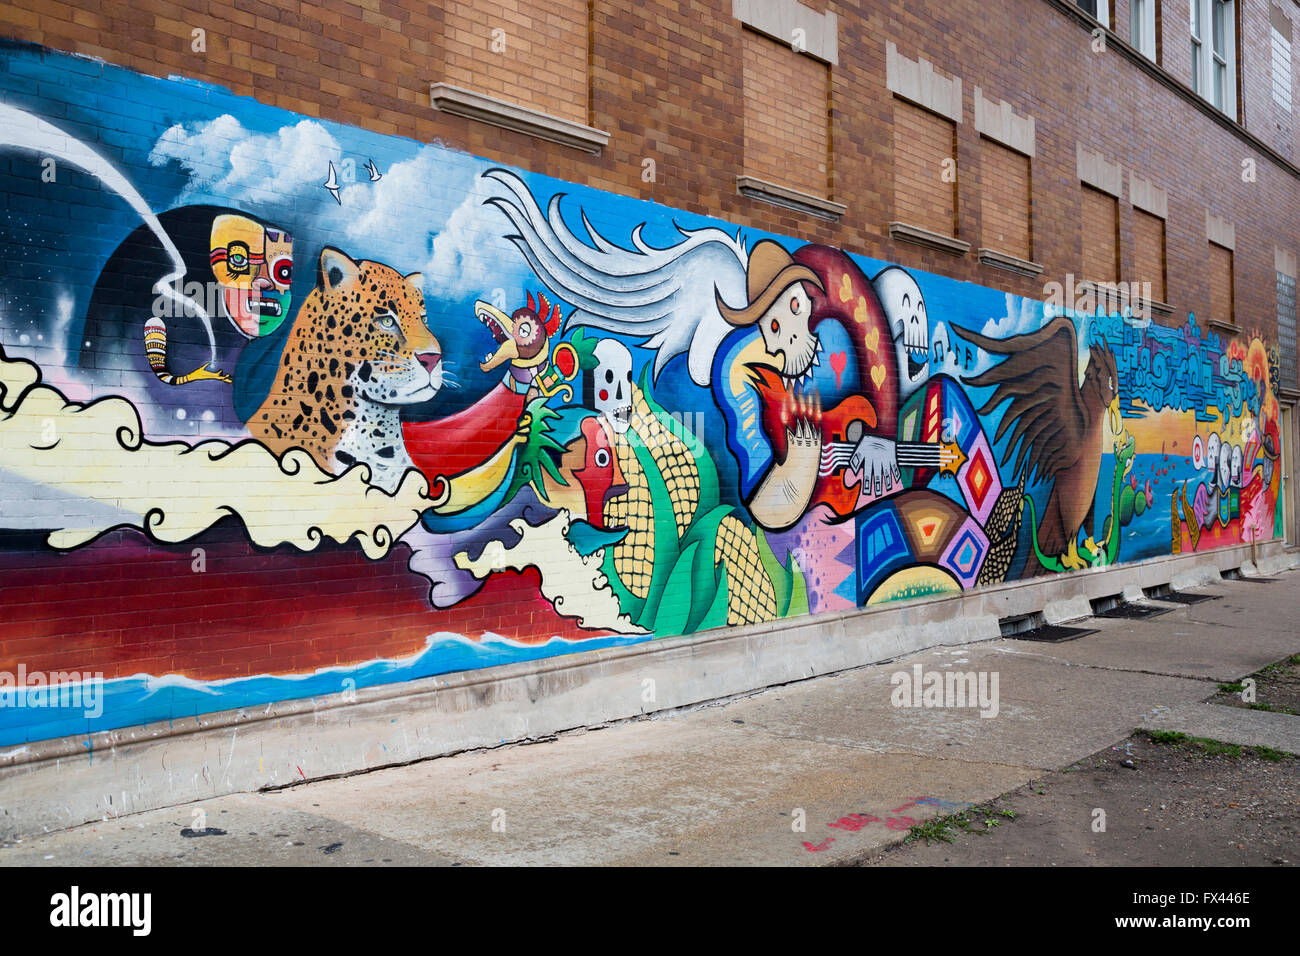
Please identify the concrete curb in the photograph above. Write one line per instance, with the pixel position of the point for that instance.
(54, 784)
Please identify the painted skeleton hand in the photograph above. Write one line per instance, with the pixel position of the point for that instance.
(876, 461)
(784, 494)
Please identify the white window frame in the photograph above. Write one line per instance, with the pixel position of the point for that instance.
(1283, 69)
(1103, 11)
(1207, 55)
(1142, 27)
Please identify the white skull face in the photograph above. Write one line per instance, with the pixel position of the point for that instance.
(1212, 454)
(611, 383)
(786, 334)
(901, 299)
(1236, 466)
(1225, 466)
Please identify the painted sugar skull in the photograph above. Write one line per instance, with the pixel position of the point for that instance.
(254, 265)
(611, 383)
(781, 307)
(901, 299)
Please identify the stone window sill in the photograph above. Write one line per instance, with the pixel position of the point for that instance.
(902, 232)
(512, 116)
(1004, 260)
(788, 198)
(1227, 328)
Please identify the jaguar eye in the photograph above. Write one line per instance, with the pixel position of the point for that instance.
(386, 321)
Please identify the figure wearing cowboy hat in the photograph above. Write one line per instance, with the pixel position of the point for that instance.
(808, 386)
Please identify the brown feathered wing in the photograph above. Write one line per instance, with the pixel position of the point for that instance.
(1040, 378)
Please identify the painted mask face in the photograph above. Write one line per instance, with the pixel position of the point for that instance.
(254, 266)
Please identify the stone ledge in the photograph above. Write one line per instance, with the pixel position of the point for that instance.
(1004, 260)
(788, 198)
(522, 119)
(902, 232)
(1228, 328)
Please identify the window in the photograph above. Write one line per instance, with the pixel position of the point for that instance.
(1149, 252)
(1286, 337)
(1099, 10)
(490, 52)
(925, 193)
(1222, 307)
(1281, 34)
(1214, 56)
(1142, 27)
(787, 137)
(1100, 223)
(1005, 200)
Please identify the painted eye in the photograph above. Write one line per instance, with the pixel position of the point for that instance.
(602, 458)
(525, 329)
(386, 321)
(609, 375)
(795, 305)
(776, 326)
(282, 271)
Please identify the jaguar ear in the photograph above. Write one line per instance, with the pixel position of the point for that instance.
(416, 279)
(336, 267)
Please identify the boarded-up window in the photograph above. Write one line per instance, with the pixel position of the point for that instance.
(1100, 221)
(531, 52)
(1005, 198)
(787, 129)
(1221, 291)
(925, 187)
(1149, 252)
(1286, 338)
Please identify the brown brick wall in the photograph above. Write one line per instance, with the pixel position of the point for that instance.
(665, 81)
(923, 141)
(1005, 191)
(539, 57)
(1222, 284)
(1099, 224)
(786, 128)
(1149, 252)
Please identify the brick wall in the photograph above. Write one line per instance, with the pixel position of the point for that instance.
(1005, 191)
(1220, 268)
(1099, 225)
(1149, 252)
(923, 143)
(529, 53)
(786, 131)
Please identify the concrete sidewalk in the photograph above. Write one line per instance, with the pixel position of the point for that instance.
(727, 783)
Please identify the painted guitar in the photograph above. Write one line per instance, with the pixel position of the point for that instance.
(842, 428)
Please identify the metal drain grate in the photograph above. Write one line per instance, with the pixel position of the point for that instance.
(1182, 597)
(1133, 612)
(1052, 633)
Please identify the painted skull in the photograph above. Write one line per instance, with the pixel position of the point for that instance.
(254, 266)
(785, 331)
(611, 383)
(1236, 466)
(1225, 466)
(901, 299)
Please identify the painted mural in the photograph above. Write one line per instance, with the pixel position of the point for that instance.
(289, 408)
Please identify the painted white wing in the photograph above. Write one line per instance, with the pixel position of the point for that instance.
(665, 296)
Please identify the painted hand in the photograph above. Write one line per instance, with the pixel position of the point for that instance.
(875, 460)
(203, 373)
(782, 498)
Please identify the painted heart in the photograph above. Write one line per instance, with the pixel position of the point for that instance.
(878, 375)
(839, 361)
(873, 339)
(846, 288)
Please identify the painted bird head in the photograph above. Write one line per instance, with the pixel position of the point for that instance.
(522, 336)
(1101, 386)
